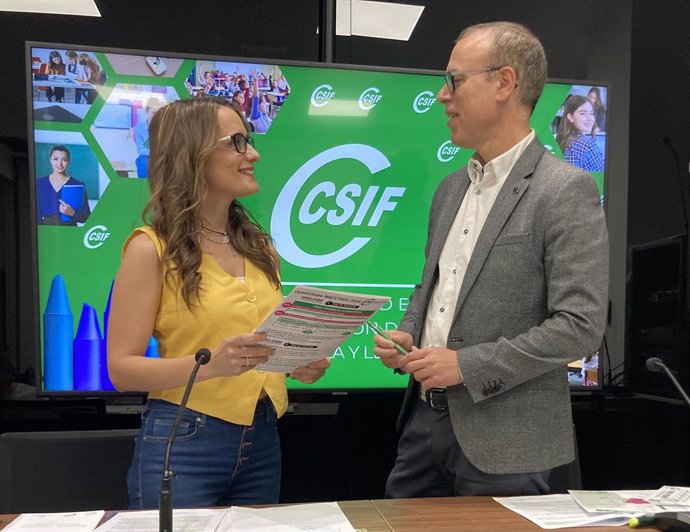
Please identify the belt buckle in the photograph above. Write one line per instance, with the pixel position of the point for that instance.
(436, 398)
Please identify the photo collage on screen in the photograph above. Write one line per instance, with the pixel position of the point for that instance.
(83, 140)
(580, 127)
(91, 114)
(65, 84)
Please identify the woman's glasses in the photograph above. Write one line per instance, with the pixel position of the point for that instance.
(239, 141)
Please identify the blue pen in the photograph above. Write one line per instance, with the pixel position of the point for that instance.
(381, 332)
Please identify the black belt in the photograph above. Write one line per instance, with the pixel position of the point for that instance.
(436, 398)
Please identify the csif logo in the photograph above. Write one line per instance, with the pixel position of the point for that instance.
(96, 236)
(447, 151)
(423, 101)
(369, 98)
(352, 204)
(322, 95)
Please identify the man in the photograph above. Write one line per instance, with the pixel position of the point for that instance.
(141, 138)
(513, 288)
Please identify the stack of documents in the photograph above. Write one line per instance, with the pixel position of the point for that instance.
(601, 508)
(310, 323)
(325, 517)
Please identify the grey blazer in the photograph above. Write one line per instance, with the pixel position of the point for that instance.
(534, 298)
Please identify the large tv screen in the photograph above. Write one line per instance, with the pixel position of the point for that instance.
(350, 159)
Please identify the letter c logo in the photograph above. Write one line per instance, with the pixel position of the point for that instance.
(372, 158)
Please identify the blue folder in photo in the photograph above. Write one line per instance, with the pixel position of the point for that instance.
(74, 196)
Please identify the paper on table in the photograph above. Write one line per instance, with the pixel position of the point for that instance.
(558, 511)
(627, 501)
(671, 495)
(310, 323)
(64, 521)
(200, 520)
(324, 517)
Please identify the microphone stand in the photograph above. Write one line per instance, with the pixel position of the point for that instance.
(165, 506)
(656, 364)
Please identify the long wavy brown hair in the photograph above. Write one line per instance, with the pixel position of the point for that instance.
(181, 138)
(567, 132)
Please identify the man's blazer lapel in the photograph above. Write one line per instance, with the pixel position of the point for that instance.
(515, 186)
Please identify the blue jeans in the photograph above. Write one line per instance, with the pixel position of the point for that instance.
(216, 463)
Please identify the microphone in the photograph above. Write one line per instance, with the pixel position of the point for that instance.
(165, 507)
(655, 364)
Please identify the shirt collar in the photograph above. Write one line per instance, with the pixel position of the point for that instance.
(499, 166)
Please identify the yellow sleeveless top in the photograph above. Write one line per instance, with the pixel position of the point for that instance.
(227, 307)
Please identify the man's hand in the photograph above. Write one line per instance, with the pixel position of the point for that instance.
(433, 367)
(311, 373)
(385, 350)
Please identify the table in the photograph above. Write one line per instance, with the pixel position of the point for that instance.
(462, 514)
(442, 514)
(65, 83)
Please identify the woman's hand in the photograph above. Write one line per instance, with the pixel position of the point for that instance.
(65, 208)
(238, 354)
(311, 373)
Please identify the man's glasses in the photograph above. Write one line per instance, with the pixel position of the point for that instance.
(239, 141)
(449, 77)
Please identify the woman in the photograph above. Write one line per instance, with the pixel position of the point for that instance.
(61, 199)
(141, 138)
(575, 135)
(594, 97)
(201, 274)
(76, 72)
(56, 67)
(91, 73)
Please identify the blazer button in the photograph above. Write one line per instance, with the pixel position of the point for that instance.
(251, 298)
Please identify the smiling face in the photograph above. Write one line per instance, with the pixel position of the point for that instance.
(582, 118)
(59, 160)
(230, 174)
(471, 108)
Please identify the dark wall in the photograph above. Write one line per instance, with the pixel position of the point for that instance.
(658, 313)
(659, 109)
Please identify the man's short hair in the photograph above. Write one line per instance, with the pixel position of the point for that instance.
(516, 46)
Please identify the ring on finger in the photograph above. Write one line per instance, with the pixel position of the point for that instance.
(249, 361)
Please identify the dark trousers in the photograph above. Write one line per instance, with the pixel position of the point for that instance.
(430, 463)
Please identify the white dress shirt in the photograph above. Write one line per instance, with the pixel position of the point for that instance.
(485, 184)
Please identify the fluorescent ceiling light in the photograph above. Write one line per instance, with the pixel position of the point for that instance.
(85, 8)
(376, 19)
